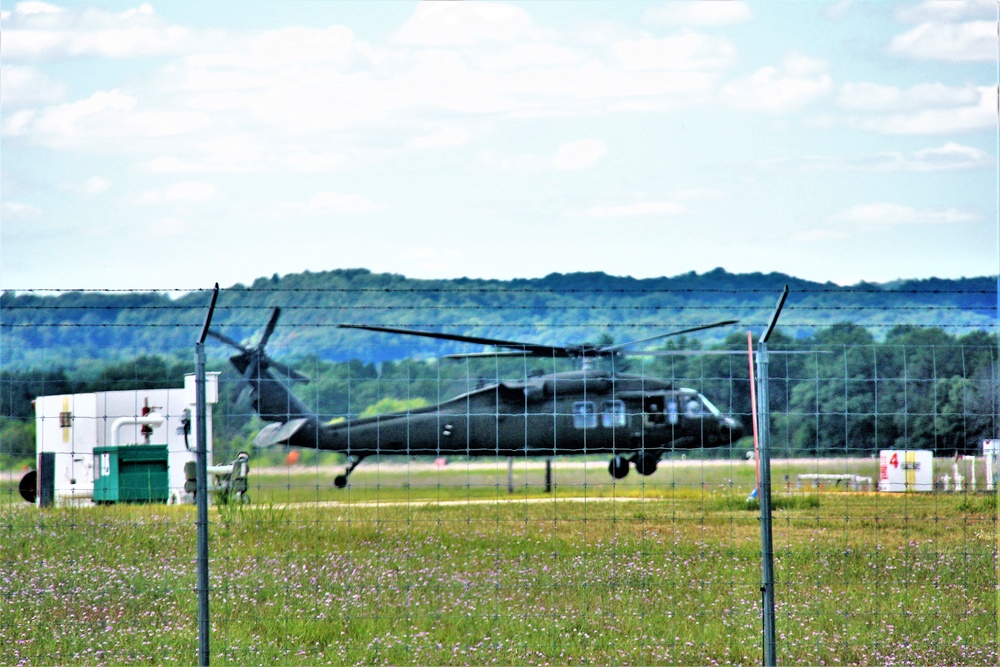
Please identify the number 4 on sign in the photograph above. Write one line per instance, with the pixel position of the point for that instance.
(894, 461)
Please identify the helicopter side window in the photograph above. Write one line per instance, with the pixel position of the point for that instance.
(672, 412)
(653, 407)
(612, 414)
(584, 414)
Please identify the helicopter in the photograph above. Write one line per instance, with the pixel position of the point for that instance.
(632, 418)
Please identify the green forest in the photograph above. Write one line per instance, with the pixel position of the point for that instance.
(72, 329)
(903, 365)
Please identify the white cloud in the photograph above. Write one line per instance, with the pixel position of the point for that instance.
(948, 157)
(799, 82)
(686, 51)
(168, 227)
(36, 31)
(337, 202)
(312, 87)
(19, 211)
(876, 97)
(699, 193)
(976, 114)
(108, 116)
(635, 210)
(24, 86)
(882, 214)
(236, 154)
(226, 152)
(520, 163)
(838, 9)
(818, 235)
(302, 45)
(580, 154)
(464, 24)
(452, 136)
(700, 13)
(31, 7)
(430, 260)
(972, 41)
(946, 10)
(529, 56)
(180, 193)
(92, 187)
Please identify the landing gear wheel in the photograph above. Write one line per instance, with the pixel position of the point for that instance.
(645, 464)
(340, 481)
(618, 467)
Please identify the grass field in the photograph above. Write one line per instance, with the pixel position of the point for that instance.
(422, 566)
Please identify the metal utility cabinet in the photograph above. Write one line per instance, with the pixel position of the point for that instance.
(131, 474)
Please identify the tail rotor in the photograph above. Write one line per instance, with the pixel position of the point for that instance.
(252, 362)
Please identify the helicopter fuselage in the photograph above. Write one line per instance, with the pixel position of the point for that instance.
(634, 418)
(584, 412)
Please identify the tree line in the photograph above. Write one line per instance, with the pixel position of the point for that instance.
(75, 328)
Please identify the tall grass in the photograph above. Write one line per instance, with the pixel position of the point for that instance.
(641, 573)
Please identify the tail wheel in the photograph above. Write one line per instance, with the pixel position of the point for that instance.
(618, 467)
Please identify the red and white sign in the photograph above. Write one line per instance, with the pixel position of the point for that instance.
(906, 470)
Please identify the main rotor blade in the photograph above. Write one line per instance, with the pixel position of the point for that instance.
(269, 329)
(698, 353)
(227, 340)
(610, 349)
(530, 348)
(498, 353)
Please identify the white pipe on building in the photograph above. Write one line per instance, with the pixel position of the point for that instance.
(989, 472)
(148, 420)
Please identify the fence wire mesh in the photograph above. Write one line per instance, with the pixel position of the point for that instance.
(522, 510)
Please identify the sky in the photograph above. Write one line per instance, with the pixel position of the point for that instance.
(172, 145)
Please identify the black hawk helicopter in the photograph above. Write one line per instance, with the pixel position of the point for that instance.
(635, 419)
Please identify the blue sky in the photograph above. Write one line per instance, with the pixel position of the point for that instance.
(170, 145)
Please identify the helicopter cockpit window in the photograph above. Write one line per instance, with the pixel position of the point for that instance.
(696, 405)
(612, 414)
(584, 414)
(693, 407)
(709, 407)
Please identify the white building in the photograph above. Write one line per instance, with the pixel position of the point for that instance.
(70, 426)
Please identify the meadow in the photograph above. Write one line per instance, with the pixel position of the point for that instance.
(419, 565)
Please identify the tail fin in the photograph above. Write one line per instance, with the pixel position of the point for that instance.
(276, 434)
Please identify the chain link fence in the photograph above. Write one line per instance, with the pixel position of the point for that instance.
(525, 508)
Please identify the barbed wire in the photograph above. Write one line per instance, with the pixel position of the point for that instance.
(483, 307)
(486, 290)
(498, 325)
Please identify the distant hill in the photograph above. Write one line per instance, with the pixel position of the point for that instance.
(74, 328)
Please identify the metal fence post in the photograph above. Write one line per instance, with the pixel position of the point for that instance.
(201, 494)
(766, 539)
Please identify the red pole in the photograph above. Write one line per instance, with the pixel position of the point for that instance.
(753, 409)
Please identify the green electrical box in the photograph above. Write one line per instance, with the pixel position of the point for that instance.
(131, 474)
